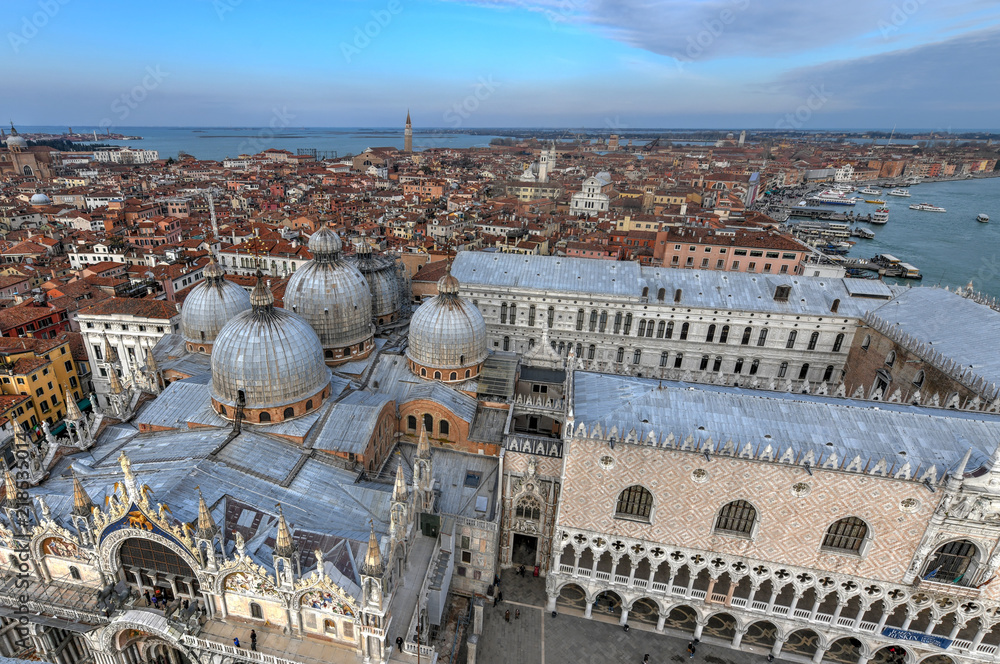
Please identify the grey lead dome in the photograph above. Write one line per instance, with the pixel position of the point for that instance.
(447, 331)
(210, 305)
(270, 354)
(331, 294)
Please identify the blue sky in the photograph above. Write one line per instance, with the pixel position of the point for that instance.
(616, 64)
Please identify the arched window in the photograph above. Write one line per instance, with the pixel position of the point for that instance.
(429, 422)
(747, 331)
(635, 502)
(27, 170)
(551, 317)
(754, 366)
(531, 316)
(717, 364)
(593, 320)
(670, 330)
(620, 356)
(704, 363)
(677, 295)
(791, 339)
(828, 373)
(265, 417)
(604, 321)
(411, 423)
(867, 342)
(678, 360)
(782, 369)
(74, 573)
(618, 322)
(762, 338)
(579, 319)
(804, 371)
(846, 535)
(222, 410)
(330, 627)
(454, 375)
(461, 360)
(736, 518)
(288, 412)
(645, 291)
(628, 324)
(813, 340)
(738, 367)
(664, 358)
(835, 306)
(711, 333)
(636, 356)
(890, 359)
(468, 373)
(444, 428)
(309, 405)
(591, 351)
(724, 334)
(423, 372)
(642, 328)
(528, 508)
(838, 343)
(579, 350)
(684, 331)
(660, 294)
(256, 611)
(954, 562)
(506, 343)
(661, 327)
(437, 375)
(513, 314)
(918, 380)
(503, 313)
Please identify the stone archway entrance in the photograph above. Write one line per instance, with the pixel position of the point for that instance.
(154, 568)
(525, 550)
(137, 645)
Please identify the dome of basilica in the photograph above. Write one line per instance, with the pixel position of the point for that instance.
(447, 337)
(333, 296)
(15, 142)
(209, 306)
(383, 282)
(40, 199)
(271, 360)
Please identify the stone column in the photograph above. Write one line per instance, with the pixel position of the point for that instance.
(224, 608)
(776, 648)
(863, 659)
(955, 630)
(737, 639)
(708, 591)
(698, 627)
(795, 602)
(551, 604)
(818, 657)
(692, 575)
(631, 574)
(836, 611)
(588, 610)
(477, 616)
(471, 644)
(576, 565)
(815, 607)
(770, 601)
(931, 625)
(138, 579)
(660, 622)
(624, 617)
(886, 612)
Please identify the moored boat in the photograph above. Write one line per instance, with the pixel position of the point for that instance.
(927, 207)
(982, 217)
(876, 201)
(880, 216)
(900, 192)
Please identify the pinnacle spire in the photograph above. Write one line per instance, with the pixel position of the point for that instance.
(82, 504)
(151, 362)
(110, 354)
(399, 493)
(9, 489)
(424, 444)
(116, 384)
(72, 410)
(373, 557)
(959, 471)
(261, 299)
(206, 524)
(283, 545)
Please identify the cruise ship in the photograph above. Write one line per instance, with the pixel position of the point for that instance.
(832, 197)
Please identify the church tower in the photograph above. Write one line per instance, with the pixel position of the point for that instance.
(408, 134)
(546, 162)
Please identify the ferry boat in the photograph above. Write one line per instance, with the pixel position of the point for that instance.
(863, 233)
(982, 218)
(880, 216)
(876, 201)
(927, 207)
(871, 191)
(832, 197)
(900, 192)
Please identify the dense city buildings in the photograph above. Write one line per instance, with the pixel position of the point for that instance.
(332, 399)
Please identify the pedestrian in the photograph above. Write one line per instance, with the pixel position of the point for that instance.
(496, 598)
(517, 614)
(690, 649)
(186, 604)
(645, 660)
(146, 595)
(500, 595)
(521, 570)
(496, 579)
(399, 643)
(236, 641)
(253, 639)
(625, 627)
(155, 601)
(506, 615)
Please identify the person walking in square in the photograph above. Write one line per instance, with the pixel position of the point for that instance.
(399, 643)
(691, 650)
(236, 641)
(506, 615)
(253, 640)
(499, 596)
(517, 614)
(645, 660)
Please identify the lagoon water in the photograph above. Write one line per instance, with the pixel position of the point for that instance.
(949, 248)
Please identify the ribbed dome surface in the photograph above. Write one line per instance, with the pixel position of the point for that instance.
(380, 272)
(272, 355)
(333, 297)
(210, 305)
(40, 199)
(16, 141)
(447, 331)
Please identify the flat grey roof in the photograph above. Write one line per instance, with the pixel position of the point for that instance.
(593, 278)
(803, 422)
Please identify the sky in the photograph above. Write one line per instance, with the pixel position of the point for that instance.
(611, 64)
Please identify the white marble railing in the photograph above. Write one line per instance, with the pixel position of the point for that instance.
(233, 651)
(87, 617)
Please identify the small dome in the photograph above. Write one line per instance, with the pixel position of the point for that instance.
(210, 305)
(270, 355)
(384, 283)
(16, 142)
(325, 244)
(447, 331)
(41, 199)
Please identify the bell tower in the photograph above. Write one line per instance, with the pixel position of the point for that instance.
(408, 134)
